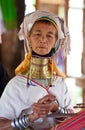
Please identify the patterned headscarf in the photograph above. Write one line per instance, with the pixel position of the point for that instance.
(63, 42)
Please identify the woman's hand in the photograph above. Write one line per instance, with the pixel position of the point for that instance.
(47, 99)
(45, 105)
(51, 100)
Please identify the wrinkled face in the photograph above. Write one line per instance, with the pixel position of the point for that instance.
(42, 37)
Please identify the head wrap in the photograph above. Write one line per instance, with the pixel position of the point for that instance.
(63, 41)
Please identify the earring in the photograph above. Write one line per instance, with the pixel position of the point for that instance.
(53, 50)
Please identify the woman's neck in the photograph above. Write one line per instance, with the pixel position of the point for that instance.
(39, 68)
(34, 54)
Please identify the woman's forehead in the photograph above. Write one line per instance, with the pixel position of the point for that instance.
(45, 24)
(44, 27)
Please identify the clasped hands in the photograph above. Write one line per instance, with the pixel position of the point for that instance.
(44, 105)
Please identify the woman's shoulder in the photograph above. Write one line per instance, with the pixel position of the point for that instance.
(16, 81)
(59, 81)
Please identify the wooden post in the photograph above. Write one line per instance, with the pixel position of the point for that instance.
(37, 4)
(83, 53)
(81, 81)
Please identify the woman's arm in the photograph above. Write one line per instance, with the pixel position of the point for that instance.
(5, 124)
(18, 123)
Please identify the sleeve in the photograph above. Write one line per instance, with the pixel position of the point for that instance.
(67, 102)
(10, 102)
(6, 104)
(60, 90)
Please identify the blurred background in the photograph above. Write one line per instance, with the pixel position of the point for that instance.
(12, 51)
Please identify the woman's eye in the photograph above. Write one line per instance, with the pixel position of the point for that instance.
(37, 34)
(49, 36)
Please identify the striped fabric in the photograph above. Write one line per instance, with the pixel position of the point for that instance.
(76, 122)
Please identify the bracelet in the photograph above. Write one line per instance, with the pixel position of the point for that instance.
(63, 110)
(20, 123)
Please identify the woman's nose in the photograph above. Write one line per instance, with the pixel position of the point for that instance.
(43, 38)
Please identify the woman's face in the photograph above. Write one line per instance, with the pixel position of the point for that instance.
(42, 38)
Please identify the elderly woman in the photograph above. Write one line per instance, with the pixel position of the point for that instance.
(38, 89)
